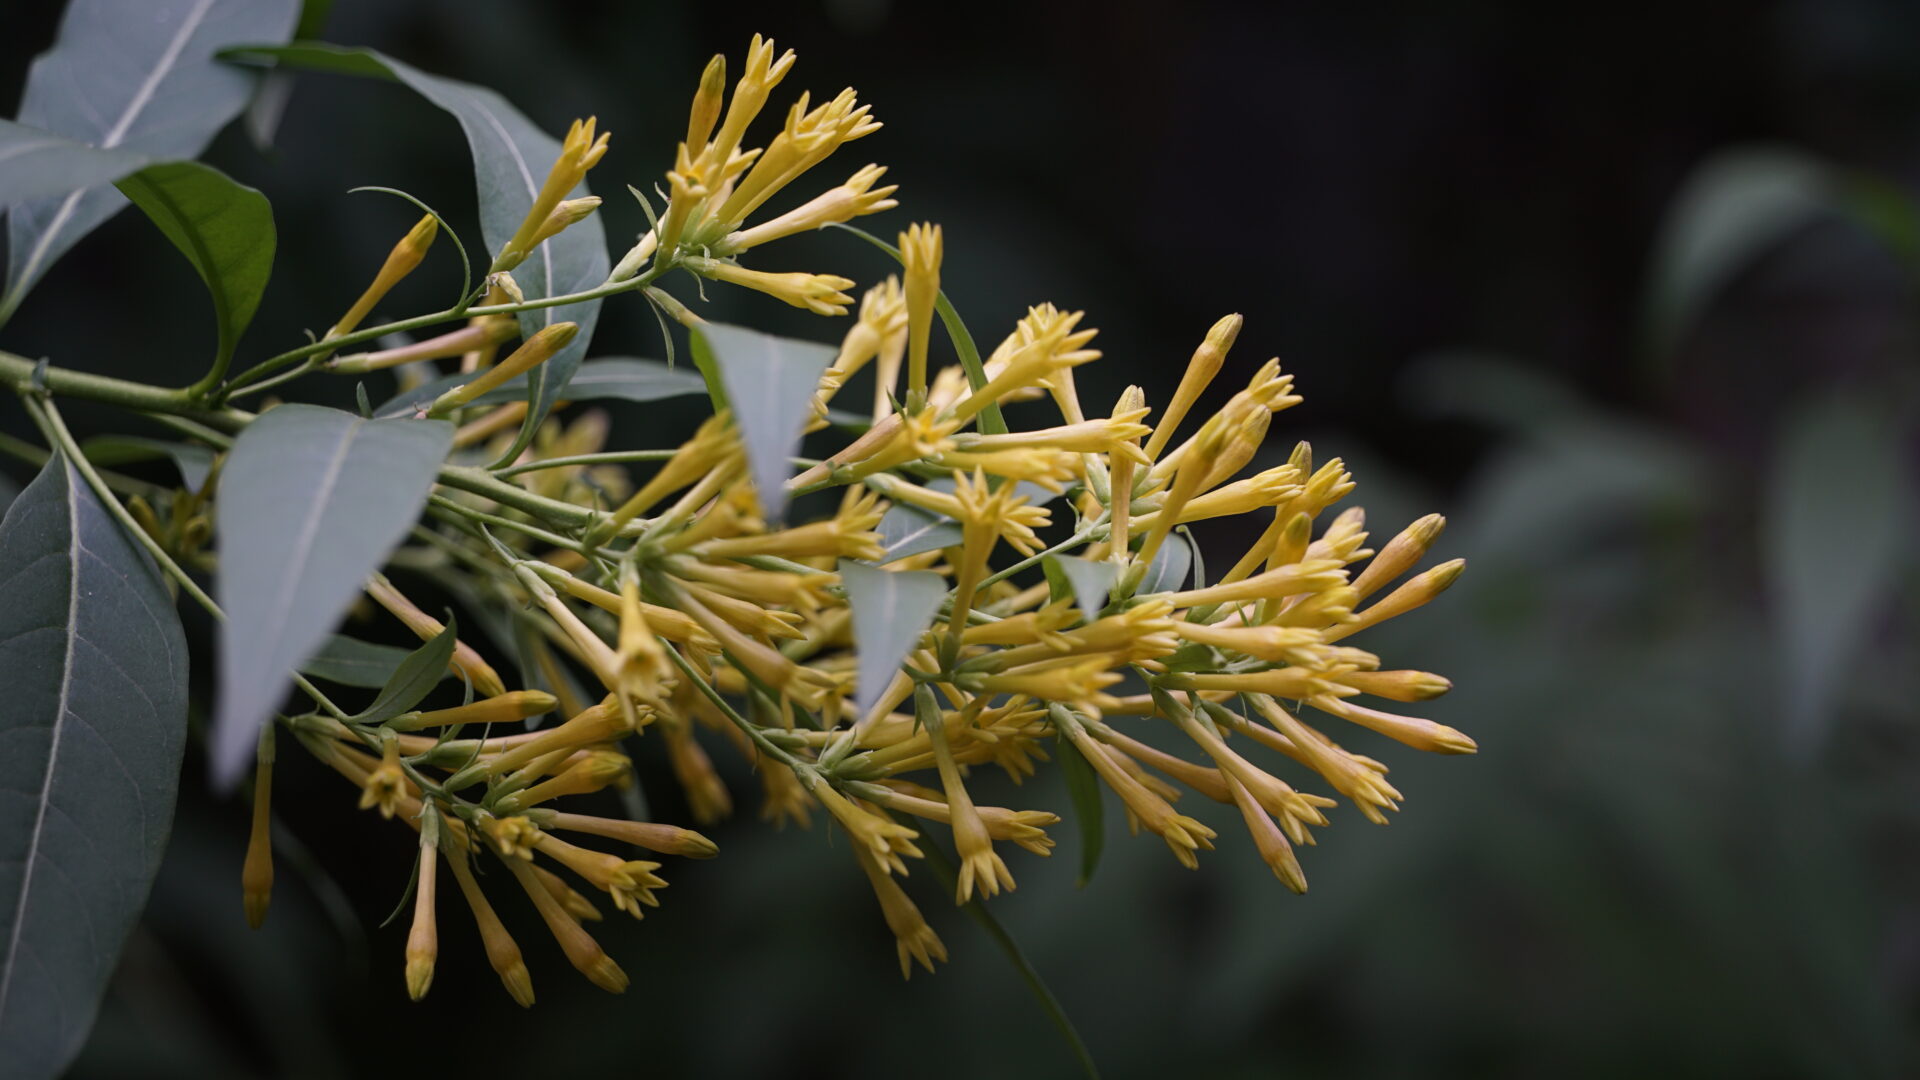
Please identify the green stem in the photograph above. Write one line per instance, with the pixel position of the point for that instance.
(752, 729)
(310, 364)
(1073, 541)
(17, 374)
(275, 363)
(448, 510)
(612, 457)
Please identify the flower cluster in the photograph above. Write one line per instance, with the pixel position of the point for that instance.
(675, 609)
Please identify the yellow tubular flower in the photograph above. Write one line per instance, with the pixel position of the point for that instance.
(979, 863)
(502, 953)
(884, 840)
(465, 660)
(1400, 554)
(1403, 599)
(666, 839)
(533, 352)
(1184, 835)
(579, 152)
(584, 953)
(1201, 369)
(921, 251)
(854, 198)
(707, 796)
(401, 261)
(503, 709)
(386, 785)
(914, 939)
(818, 293)
(513, 835)
(760, 75)
(707, 101)
(1268, 839)
(423, 940)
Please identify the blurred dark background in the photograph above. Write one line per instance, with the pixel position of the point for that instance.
(1630, 298)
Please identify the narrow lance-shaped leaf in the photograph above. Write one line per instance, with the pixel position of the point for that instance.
(1089, 581)
(312, 500)
(511, 158)
(1089, 809)
(770, 382)
(612, 378)
(352, 662)
(414, 679)
(137, 75)
(890, 613)
(225, 230)
(95, 666)
(1840, 507)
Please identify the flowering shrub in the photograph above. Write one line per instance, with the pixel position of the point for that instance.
(987, 570)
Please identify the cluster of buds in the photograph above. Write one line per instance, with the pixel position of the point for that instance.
(673, 610)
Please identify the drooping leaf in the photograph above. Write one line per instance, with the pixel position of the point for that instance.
(1838, 513)
(312, 500)
(194, 462)
(414, 679)
(1731, 210)
(616, 378)
(890, 613)
(1089, 810)
(511, 158)
(36, 164)
(136, 75)
(1090, 582)
(908, 530)
(1168, 570)
(224, 229)
(352, 662)
(95, 666)
(769, 384)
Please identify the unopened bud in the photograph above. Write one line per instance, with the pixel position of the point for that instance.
(707, 102)
(401, 261)
(533, 352)
(1400, 554)
(1201, 369)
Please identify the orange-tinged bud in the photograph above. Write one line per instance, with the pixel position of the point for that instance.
(401, 261)
(499, 709)
(532, 352)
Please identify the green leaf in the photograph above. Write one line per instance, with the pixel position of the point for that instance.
(194, 462)
(37, 164)
(1090, 582)
(224, 229)
(1731, 210)
(312, 500)
(770, 383)
(620, 378)
(352, 662)
(511, 158)
(1089, 811)
(415, 678)
(133, 75)
(890, 613)
(1168, 570)
(1839, 511)
(908, 530)
(95, 666)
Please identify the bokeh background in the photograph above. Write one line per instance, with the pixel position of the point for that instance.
(1630, 298)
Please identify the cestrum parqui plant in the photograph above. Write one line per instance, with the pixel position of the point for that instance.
(986, 570)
